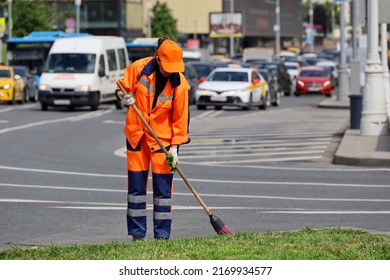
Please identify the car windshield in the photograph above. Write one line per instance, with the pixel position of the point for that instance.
(264, 74)
(312, 73)
(291, 67)
(20, 71)
(202, 69)
(5, 74)
(70, 63)
(229, 76)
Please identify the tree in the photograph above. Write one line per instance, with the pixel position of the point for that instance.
(163, 22)
(28, 16)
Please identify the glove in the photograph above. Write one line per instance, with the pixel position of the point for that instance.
(173, 158)
(126, 98)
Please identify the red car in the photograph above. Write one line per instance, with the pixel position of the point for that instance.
(313, 79)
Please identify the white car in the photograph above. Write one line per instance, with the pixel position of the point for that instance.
(293, 69)
(332, 65)
(239, 87)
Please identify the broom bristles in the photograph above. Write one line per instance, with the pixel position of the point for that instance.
(219, 226)
(225, 230)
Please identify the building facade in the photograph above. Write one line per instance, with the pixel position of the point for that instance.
(130, 18)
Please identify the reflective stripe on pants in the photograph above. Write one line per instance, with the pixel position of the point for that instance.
(138, 161)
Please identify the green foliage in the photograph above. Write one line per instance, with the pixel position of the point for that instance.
(305, 244)
(28, 16)
(162, 22)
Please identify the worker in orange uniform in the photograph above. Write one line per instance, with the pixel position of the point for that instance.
(160, 91)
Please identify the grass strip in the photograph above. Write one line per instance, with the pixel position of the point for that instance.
(305, 244)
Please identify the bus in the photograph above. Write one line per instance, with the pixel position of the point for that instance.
(32, 50)
(141, 47)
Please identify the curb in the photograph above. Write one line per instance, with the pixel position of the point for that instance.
(361, 150)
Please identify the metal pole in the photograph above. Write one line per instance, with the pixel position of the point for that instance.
(277, 32)
(231, 28)
(355, 63)
(333, 18)
(385, 65)
(149, 23)
(343, 91)
(311, 14)
(9, 18)
(77, 3)
(374, 120)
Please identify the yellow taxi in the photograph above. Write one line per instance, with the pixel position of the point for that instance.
(11, 86)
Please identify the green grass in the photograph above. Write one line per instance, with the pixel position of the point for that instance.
(306, 244)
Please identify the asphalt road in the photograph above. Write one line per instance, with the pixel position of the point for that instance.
(62, 174)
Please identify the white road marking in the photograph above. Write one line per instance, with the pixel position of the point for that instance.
(81, 117)
(223, 182)
(122, 206)
(61, 172)
(235, 196)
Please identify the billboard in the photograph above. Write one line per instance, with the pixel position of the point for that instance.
(259, 17)
(223, 25)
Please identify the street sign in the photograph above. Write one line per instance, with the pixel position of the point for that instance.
(70, 23)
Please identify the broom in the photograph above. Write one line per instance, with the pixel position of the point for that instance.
(219, 226)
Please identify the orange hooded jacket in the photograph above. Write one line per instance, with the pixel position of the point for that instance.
(169, 119)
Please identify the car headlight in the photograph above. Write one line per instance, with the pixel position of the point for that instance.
(43, 87)
(327, 83)
(299, 82)
(7, 86)
(83, 88)
(202, 91)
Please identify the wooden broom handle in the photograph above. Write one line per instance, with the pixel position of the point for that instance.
(188, 183)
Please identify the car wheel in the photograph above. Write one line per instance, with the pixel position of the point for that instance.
(218, 107)
(44, 107)
(276, 102)
(329, 95)
(35, 97)
(264, 105)
(191, 98)
(201, 107)
(268, 99)
(249, 105)
(119, 105)
(23, 97)
(13, 98)
(297, 94)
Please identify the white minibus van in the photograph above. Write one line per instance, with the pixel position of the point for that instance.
(82, 71)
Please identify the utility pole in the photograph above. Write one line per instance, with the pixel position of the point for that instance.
(9, 18)
(355, 63)
(384, 20)
(277, 29)
(374, 119)
(344, 90)
(311, 15)
(277, 24)
(149, 23)
(78, 4)
(231, 28)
